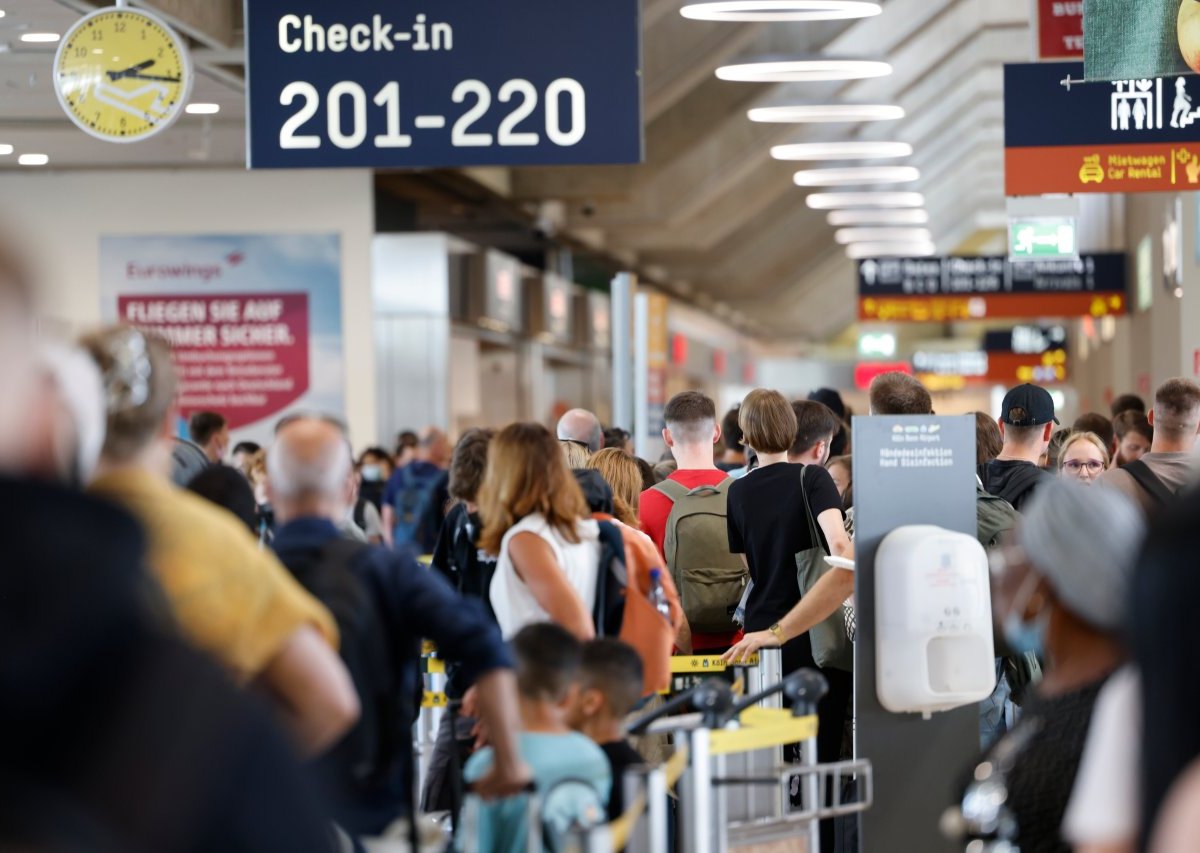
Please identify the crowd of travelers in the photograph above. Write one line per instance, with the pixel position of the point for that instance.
(216, 646)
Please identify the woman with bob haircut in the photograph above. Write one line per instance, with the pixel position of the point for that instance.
(536, 521)
(620, 470)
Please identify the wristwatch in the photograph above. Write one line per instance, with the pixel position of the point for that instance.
(778, 632)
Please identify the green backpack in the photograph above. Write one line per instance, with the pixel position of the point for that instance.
(710, 580)
(994, 516)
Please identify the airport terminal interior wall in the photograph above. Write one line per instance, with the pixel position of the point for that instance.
(58, 219)
(1159, 343)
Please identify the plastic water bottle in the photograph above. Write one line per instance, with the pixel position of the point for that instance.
(658, 596)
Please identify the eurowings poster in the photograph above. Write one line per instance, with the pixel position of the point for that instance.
(255, 321)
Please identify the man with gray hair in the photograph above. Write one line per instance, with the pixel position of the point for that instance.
(581, 427)
(384, 604)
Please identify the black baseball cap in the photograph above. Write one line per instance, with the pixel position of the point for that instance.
(1037, 403)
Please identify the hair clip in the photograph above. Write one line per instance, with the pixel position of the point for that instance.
(127, 380)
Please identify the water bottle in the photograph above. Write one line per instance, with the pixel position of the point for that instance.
(658, 596)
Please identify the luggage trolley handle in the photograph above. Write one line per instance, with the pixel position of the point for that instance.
(712, 697)
(804, 687)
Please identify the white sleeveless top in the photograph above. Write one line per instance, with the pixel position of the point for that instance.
(513, 603)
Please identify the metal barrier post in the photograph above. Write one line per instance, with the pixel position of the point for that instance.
(635, 779)
(812, 794)
(770, 665)
(696, 794)
(656, 810)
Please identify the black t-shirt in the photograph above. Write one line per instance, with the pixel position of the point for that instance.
(621, 756)
(766, 523)
(1042, 777)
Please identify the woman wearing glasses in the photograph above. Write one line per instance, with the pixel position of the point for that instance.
(1083, 457)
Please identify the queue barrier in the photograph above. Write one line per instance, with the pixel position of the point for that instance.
(733, 787)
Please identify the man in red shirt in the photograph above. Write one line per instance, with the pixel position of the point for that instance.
(691, 433)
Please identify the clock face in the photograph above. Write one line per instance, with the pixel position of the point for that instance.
(122, 75)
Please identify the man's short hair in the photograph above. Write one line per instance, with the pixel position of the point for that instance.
(469, 464)
(815, 422)
(898, 393)
(1128, 403)
(731, 430)
(1025, 435)
(615, 669)
(1132, 420)
(1097, 424)
(247, 447)
(548, 661)
(202, 426)
(1177, 407)
(988, 442)
(690, 416)
(768, 422)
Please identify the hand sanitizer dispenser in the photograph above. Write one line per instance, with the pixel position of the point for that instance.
(933, 618)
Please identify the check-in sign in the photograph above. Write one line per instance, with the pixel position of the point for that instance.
(1062, 135)
(367, 83)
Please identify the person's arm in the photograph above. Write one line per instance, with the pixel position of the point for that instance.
(822, 601)
(389, 524)
(535, 564)
(495, 701)
(312, 691)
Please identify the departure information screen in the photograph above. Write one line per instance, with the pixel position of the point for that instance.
(465, 83)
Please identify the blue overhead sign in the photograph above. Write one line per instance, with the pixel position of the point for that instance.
(399, 84)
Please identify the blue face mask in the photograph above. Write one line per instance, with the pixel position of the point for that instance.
(1022, 636)
(372, 473)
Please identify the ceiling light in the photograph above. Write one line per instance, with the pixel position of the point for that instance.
(846, 236)
(33, 159)
(1, 13)
(867, 216)
(779, 10)
(851, 175)
(5, 150)
(202, 109)
(833, 201)
(856, 150)
(904, 249)
(802, 113)
(40, 38)
(803, 70)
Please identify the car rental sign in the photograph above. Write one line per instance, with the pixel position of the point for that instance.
(373, 84)
(1062, 135)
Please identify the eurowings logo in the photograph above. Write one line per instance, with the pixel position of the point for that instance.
(184, 271)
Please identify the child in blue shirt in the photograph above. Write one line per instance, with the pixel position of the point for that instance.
(571, 772)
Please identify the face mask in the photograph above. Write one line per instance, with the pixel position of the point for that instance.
(372, 473)
(1024, 636)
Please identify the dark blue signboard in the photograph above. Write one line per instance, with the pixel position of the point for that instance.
(375, 84)
(1046, 103)
(990, 275)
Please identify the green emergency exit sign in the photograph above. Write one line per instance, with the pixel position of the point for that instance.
(1043, 238)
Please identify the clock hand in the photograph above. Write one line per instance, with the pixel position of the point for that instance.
(158, 77)
(130, 71)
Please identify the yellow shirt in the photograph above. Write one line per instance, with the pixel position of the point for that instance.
(231, 598)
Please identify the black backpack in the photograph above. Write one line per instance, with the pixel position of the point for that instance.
(369, 752)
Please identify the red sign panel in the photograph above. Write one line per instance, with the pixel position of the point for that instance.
(1160, 167)
(244, 355)
(866, 371)
(944, 309)
(1060, 29)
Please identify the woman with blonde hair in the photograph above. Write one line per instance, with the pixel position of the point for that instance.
(536, 521)
(1083, 457)
(624, 477)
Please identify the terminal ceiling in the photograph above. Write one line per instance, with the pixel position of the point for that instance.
(708, 215)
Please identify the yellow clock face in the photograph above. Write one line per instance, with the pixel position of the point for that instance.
(122, 75)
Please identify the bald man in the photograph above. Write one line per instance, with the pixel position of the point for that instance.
(382, 600)
(582, 427)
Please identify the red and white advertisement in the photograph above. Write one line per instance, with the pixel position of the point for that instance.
(1060, 29)
(245, 355)
(254, 320)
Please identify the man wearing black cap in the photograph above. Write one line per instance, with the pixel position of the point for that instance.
(1026, 423)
